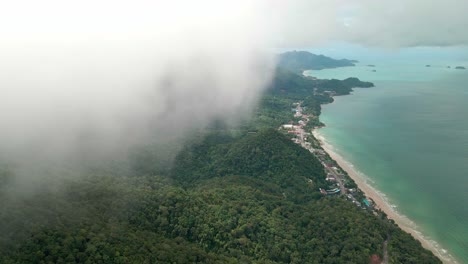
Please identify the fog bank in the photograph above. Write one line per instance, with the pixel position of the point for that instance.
(90, 80)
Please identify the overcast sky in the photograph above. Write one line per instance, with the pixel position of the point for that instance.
(389, 24)
(397, 23)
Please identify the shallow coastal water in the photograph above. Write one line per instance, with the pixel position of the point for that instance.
(409, 136)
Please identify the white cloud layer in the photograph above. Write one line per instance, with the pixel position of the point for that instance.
(100, 76)
(81, 75)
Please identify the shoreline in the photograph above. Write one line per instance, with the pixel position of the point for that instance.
(402, 221)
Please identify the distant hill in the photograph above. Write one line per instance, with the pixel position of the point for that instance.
(286, 82)
(342, 87)
(299, 61)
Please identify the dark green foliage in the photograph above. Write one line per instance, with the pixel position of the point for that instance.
(412, 254)
(299, 61)
(6, 175)
(227, 219)
(288, 83)
(88, 222)
(343, 87)
(247, 195)
(202, 159)
(270, 156)
(153, 159)
(311, 105)
(239, 217)
(355, 82)
(265, 155)
(272, 111)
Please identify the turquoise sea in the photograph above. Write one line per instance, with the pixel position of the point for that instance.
(409, 137)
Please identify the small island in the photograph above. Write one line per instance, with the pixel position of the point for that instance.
(428, 65)
(460, 68)
(370, 65)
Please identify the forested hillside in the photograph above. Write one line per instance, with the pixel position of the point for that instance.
(299, 61)
(264, 211)
(230, 195)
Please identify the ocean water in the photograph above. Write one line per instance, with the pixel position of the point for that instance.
(409, 136)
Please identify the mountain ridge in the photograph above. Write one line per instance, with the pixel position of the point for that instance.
(300, 61)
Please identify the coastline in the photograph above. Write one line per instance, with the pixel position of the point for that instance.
(403, 222)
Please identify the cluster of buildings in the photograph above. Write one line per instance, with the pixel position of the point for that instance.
(334, 174)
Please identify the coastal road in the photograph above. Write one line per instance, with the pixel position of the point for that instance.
(339, 180)
(302, 142)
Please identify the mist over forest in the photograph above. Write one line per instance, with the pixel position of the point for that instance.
(119, 120)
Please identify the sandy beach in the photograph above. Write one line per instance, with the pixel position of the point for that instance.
(402, 221)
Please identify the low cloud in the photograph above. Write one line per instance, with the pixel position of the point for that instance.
(94, 78)
(90, 80)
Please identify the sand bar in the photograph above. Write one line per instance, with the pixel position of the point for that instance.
(402, 221)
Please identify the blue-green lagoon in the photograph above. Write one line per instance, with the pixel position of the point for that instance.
(409, 137)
